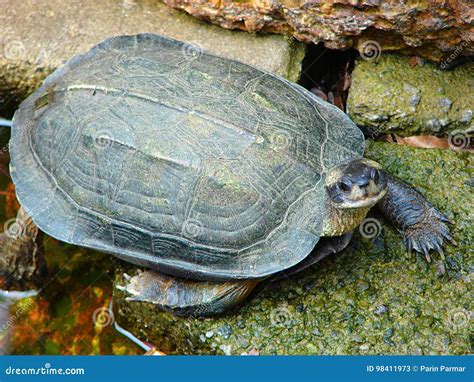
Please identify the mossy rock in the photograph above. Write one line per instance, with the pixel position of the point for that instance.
(388, 95)
(373, 298)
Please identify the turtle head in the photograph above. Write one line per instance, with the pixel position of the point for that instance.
(356, 184)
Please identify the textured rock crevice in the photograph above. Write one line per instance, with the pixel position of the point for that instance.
(432, 29)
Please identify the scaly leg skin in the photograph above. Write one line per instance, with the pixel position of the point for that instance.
(186, 297)
(422, 226)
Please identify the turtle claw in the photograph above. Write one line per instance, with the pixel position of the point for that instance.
(430, 235)
(440, 251)
(442, 217)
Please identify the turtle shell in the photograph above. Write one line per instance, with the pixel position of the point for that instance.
(178, 160)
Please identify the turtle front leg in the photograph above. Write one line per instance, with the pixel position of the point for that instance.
(186, 297)
(422, 226)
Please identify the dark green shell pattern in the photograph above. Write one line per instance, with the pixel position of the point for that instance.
(178, 160)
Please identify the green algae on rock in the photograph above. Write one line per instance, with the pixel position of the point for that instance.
(388, 95)
(373, 298)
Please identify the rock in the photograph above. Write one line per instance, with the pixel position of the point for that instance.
(37, 36)
(388, 95)
(373, 298)
(381, 309)
(439, 31)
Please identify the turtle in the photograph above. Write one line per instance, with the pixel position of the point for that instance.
(211, 174)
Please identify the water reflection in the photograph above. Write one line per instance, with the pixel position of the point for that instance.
(7, 320)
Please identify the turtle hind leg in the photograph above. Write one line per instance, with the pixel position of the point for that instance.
(22, 262)
(187, 297)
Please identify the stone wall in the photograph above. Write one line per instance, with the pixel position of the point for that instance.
(432, 29)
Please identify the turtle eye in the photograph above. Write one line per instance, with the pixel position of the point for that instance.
(344, 186)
